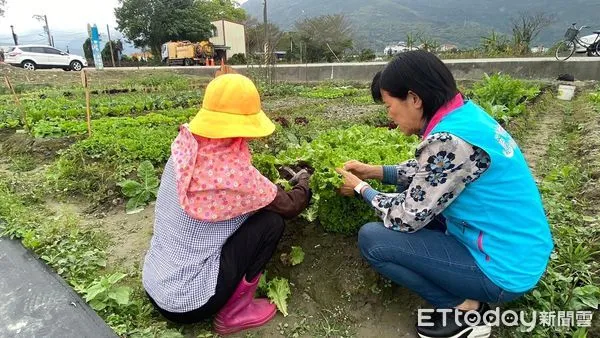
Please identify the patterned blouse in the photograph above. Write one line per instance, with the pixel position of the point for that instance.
(443, 166)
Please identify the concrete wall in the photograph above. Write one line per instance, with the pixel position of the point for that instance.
(540, 68)
(219, 38)
(231, 35)
(236, 38)
(581, 69)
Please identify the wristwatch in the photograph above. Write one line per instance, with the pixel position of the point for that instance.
(359, 188)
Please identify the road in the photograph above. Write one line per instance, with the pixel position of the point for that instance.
(450, 61)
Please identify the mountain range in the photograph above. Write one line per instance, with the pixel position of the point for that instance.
(377, 23)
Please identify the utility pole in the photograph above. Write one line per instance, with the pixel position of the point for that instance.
(50, 37)
(267, 44)
(12, 28)
(112, 54)
(44, 20)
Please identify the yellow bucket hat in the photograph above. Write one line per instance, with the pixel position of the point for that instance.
(231, 108)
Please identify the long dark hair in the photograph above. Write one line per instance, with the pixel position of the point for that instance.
(421, 72)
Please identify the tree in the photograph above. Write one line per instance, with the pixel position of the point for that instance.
(2, 4)
(255, 35)
(229, 10)
(366, 55)
(150, 23)
(117, 48)
(411, 39)
(237, 59)
(429, 44)
(87, 49)
(495, 44)
(290, 43)
(327, 37)
(526, 27)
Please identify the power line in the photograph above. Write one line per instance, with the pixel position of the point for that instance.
(71, 35)
(59, 33)
(31, 42)
(30, 35)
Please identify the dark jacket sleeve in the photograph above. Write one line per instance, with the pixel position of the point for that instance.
(290, 204)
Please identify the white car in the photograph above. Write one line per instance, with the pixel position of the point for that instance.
(588, 40)
(34, 57)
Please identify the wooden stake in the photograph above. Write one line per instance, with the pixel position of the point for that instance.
(86, 87)
(17, 101)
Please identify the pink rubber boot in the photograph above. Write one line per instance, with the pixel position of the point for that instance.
(242, 311)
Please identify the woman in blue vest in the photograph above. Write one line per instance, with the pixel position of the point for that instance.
(467, 226)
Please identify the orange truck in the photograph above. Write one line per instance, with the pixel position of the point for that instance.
(188, 53)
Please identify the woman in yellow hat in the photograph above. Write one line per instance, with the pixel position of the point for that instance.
(218, 220)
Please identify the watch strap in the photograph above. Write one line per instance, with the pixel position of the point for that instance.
(359, 188)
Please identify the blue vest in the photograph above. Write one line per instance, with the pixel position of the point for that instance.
(499, 217)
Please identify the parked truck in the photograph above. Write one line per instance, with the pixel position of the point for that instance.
(188, 53)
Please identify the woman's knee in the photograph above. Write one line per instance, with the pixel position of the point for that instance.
(367, 239)
(264, 224)
(274, 223)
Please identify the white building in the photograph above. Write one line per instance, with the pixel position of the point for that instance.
(539, 49)
(448, 48)
(400, 47)
(229, 38)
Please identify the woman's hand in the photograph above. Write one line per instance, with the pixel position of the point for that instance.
(364, 171)
(350, 182)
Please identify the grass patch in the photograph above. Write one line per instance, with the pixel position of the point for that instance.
(79, 256)
(21, 163)
(570, 282)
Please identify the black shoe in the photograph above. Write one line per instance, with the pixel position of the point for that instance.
(456, 328)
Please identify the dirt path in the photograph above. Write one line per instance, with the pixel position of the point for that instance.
(543, 123)
(335, 293)
(588, 117)
(550, 116)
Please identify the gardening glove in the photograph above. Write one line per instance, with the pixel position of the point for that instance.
(299, 176)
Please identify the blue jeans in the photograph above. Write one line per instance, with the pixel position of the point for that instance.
(434, 265)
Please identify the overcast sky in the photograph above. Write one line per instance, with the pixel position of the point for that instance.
(20, 12)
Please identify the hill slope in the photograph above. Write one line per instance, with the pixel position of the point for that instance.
(379, 22)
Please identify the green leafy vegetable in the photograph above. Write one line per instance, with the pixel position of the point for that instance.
(504, 97)
(263, 286)
(331, 150)
(585, 297)
(329, 92)
(297, 255)
(140, 193)
(102, 293)
(279, 290)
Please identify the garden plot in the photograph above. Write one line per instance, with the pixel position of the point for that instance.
(61, 192)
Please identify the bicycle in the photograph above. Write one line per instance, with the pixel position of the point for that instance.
(568, 46)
